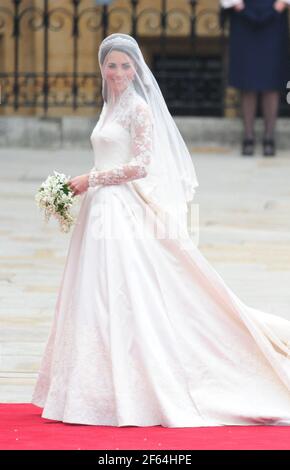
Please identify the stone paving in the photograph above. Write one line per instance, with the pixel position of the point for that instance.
(243, 206)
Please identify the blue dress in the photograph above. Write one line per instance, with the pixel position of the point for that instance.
(258, 47)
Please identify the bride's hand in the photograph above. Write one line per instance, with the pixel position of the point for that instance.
(280, 6)
(79, 184)
(240, 6)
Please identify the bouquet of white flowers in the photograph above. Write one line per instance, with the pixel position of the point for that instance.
(56, 198)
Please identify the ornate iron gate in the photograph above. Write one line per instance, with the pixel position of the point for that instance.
(193, 83)
(177, 76)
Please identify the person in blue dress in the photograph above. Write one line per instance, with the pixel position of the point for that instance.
(259, 62)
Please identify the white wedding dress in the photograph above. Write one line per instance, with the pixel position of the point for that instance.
(145, 330)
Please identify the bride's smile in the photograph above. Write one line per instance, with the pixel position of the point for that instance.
(119, 71)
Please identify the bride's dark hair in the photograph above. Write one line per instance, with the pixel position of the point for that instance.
(129, 51)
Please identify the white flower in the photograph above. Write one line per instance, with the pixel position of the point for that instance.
(56, 198)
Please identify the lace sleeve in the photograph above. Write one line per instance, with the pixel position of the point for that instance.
(141, 138)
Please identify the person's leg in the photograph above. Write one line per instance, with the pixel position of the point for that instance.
(249, 110)
(270, 107)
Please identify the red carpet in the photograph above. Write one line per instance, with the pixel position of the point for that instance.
(21, 427)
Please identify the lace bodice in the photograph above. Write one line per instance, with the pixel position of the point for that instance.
(122, 141)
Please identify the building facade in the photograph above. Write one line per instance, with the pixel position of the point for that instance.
(49, 63)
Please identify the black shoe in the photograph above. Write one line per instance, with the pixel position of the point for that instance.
(248, 146)
(269, 147)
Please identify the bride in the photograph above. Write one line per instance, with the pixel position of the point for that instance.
(145, 331)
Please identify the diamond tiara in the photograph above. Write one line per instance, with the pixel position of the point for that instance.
(118, 39)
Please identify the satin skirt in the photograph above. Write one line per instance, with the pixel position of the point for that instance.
(146, 332)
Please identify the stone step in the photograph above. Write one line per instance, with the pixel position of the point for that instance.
(74, 132)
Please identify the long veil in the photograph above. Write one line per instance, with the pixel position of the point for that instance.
(171, 181)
